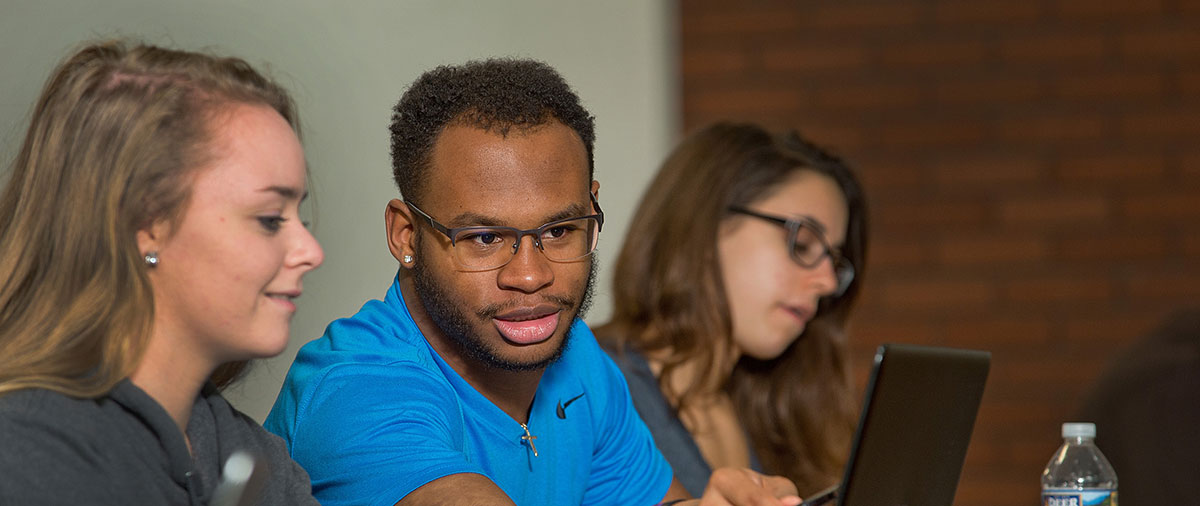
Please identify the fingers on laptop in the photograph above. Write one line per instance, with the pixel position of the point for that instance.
(743, 487)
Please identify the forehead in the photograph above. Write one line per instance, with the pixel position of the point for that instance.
(484, 172)
(813, 194)
(253, 148)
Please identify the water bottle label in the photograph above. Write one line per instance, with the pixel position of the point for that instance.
(1070, 497)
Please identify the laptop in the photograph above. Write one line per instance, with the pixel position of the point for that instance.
(918, 413)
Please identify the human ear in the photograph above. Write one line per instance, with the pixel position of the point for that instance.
(152, 237)
(401, 232)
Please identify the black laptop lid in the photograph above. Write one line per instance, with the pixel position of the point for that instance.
(918, 413)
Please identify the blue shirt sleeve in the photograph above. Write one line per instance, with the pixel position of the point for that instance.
(371, 434)
(627, 468)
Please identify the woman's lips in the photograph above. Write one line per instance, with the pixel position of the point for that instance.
(527, 331)
(802, 313)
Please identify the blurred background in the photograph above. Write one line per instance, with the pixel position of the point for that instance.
(1032, 170)
(1032, 167)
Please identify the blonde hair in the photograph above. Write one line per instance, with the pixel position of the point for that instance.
(113, 141)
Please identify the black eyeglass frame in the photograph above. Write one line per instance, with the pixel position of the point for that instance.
(535, 233)
(842, 268)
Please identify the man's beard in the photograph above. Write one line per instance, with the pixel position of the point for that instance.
(450, 316)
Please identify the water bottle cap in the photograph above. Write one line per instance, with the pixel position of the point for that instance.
(1079, 429)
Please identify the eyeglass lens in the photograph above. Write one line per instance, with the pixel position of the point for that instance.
(809, 248)
(493, 247)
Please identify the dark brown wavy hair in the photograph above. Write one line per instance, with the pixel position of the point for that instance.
(799, 408)
(113, 141)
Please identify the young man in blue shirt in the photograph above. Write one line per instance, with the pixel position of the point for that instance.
(474, 381)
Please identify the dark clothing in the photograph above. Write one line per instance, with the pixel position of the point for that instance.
(671, 437)
(124, 449)
(1147, 409)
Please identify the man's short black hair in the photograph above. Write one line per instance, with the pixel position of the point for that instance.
(496, 95)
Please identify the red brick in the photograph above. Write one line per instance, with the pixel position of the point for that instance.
(1000, 332)
(745, 100)
(1161, 206)
(884, 175)
(714, 61)
(1060, 290)
(933, 53)
(990, 91)
(988, 171)
(894, 253)
(992, 250)
(1050, 369)
(1055, 210)
(1118, 10)
(908, 156)
(1053, 129)
(929, 215)
(1176, 286)
(1015, 386)
(1181, 43)
(839, 138)
(742, 21)
(897, 332)
(868, 96)
(924, 135)
(1115, 85)
(814, 58)
(1059, 49)
(1112, 247)
(1113, 332)
(1189, 83)
(1158, 124)
(932, 295)
(1189, 166)
(1112, 168)
(1010, 413)
(986, 12)
(1191, 245)
(850, 16)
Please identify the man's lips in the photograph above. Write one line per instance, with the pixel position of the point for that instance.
(528, 325)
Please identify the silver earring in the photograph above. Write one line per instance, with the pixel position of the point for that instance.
(408, 259)
(151, 259)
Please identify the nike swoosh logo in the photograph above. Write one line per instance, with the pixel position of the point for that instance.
(562, 408)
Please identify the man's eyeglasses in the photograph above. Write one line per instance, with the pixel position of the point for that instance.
(486, 248)
(807, 245)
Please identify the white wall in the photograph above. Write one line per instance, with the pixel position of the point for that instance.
(347, 65)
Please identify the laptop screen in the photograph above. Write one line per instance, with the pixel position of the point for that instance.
(918, 413)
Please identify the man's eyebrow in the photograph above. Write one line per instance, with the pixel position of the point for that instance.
(470, 219)
(286, 192)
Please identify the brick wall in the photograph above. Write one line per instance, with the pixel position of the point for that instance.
(1033, 172)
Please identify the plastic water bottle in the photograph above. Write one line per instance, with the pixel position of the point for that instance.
(1078, 474)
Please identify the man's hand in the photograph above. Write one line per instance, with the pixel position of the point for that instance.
(730, 486)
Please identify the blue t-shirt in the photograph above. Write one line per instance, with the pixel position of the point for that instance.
(372, 412)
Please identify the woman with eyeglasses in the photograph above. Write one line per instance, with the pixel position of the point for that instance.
(731, 294)
(150, 244)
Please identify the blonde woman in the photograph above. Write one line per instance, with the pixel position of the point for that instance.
(150, 244)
